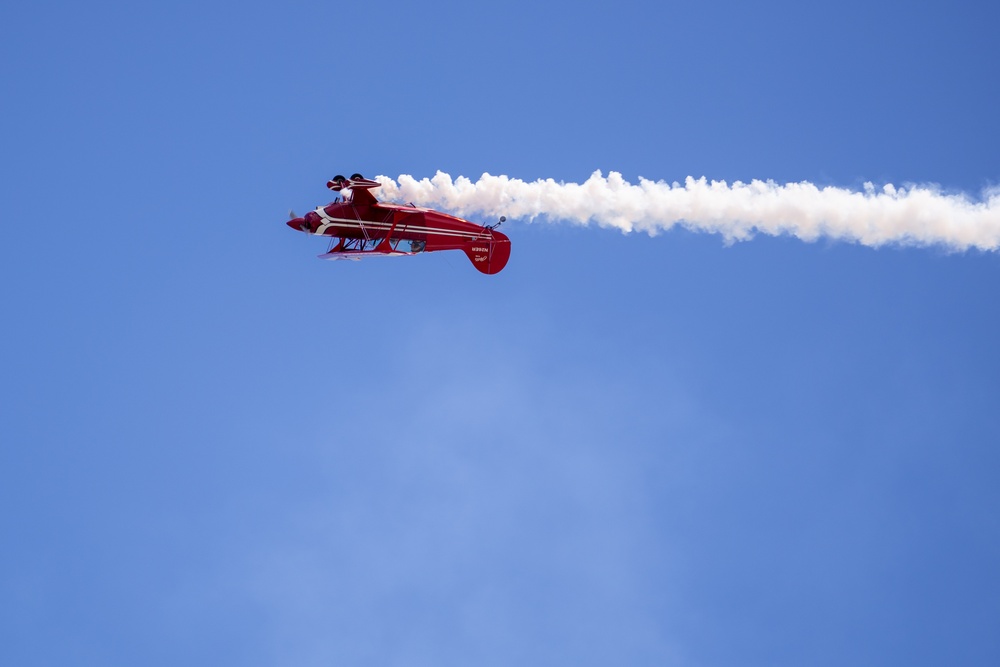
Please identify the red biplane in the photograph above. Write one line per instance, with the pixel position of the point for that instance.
(361, 226)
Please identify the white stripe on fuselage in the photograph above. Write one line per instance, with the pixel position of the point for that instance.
(386, 226)
(327, 221)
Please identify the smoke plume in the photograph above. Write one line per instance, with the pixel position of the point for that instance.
(912, 215)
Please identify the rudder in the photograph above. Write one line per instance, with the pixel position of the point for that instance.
(491, 256)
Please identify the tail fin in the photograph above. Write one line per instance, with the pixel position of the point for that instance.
(491, 256)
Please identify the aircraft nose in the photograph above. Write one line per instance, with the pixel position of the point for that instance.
(298, 224)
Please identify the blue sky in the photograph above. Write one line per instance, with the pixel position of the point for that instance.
(215, 448)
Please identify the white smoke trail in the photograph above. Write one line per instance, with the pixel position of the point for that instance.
(915, 215)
